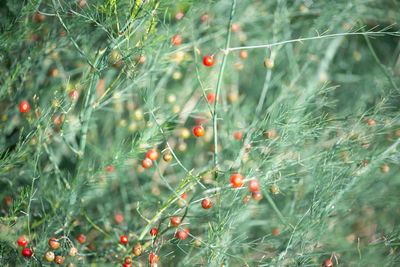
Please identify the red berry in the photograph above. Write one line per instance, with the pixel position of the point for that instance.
(184, 196)
(179, 15)
(54, 243)
(204, 17)
(237, 180)
(243, 54)
(211, 97)
(8, 200)
(238, 135)
(235, 27)
(24, 106)
(175, 221)
(81, 238)
(153, 258)
(123, 239)
(371, 121)
(27, 253)
(208, 61)
(119, 217)
(146, 163)
(176, 40)
(327, 263)
(365, 162)
(275, 232)
(246, 199)
(253, 185)
(73, 95)
(39, 17)
(127, 265)
(182, 234)
(198, 131)
(153, 231)
(206, 203)
(59, 259)
(110, 168)
(22, 241)
(152, 154)
(257, 195)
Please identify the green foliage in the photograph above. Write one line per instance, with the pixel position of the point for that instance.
(322, 124)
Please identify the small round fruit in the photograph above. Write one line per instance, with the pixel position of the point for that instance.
(269, 63)
(54, 243)
(49, 256)
(110, 168)
(270, 134)
(184, 133)
(175, 221)
(81, 238)
(235, 27)
(385, 168)
(179, 15)
(237, 180)
(73, 251)
(238, 135)
(243, 54)
(39, 17)
(167, 157)
(73, 95)
(22, 241)
(128, 260)
(275, 232)
(153, 258)
(253, 185)
(274, 189)
(123, 239)
(127, 264)
(59, 260)
(146, 163)
(24, 106)
(204, 17)
(211, 98)
(82, 3)
(257, 195)
(246, 199)
(137, 250)
(327, 263)
(27, 253)
(198, 131)
(371, 122)
(153, 231)
(141, 59)
(152, 154)
(182, 234)
(248, 147)
(8, 200)
(206, 203)
(119, 217)
(208, 61)
(176, 40)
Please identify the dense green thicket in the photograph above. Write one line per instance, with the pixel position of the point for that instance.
(317, 116)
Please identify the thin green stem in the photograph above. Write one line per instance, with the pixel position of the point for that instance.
(381, 66)
(370, 33)
(199, 79)
(102, 231)
(219, 84)
(275, 208)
